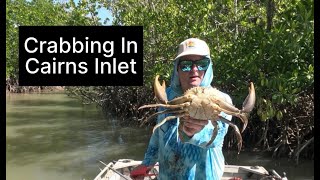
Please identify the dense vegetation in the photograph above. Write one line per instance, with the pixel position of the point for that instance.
(40, 13)
(265, 41)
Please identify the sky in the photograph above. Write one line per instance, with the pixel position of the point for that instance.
(102, 14)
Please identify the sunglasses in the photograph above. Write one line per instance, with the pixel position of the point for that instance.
(186, 65)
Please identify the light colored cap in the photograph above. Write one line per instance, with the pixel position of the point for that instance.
(193, 46)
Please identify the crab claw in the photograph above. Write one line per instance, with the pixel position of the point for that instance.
(250, 100)
(247, 106)
(160, 90)
(244, 119)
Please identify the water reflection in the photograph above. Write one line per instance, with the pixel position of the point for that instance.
(52, 135)
(304, 171)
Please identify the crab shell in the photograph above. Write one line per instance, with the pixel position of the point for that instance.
(202, 103)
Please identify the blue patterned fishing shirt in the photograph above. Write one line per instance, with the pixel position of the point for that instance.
(190, 159)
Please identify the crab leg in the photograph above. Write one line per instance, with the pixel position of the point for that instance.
(225, 105)
(167, 111)
(166, 106)
(180, 100)
(240, 115)
(248, 103)
(236, 129)
(214, 133)
(167, 119)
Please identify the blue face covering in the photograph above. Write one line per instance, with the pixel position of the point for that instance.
(175, 89)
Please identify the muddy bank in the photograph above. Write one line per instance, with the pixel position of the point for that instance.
(12, 86)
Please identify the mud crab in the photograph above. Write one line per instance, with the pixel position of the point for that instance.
(203, 103)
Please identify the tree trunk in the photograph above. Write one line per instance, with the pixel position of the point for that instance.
(270, 14)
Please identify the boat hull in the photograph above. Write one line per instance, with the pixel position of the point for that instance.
(120, 170)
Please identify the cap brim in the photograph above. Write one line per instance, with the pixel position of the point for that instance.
(192, 52)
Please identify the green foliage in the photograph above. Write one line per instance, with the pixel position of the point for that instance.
(19, 13)
(166, 24)
(280, 62)
(267, 42)
(42, 13)
(85, 12)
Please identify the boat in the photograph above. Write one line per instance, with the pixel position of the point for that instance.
(120, 170)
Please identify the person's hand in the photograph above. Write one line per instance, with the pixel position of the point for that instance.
(192, 126)
(139, 172)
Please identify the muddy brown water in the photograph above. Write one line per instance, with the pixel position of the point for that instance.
(53, 136)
